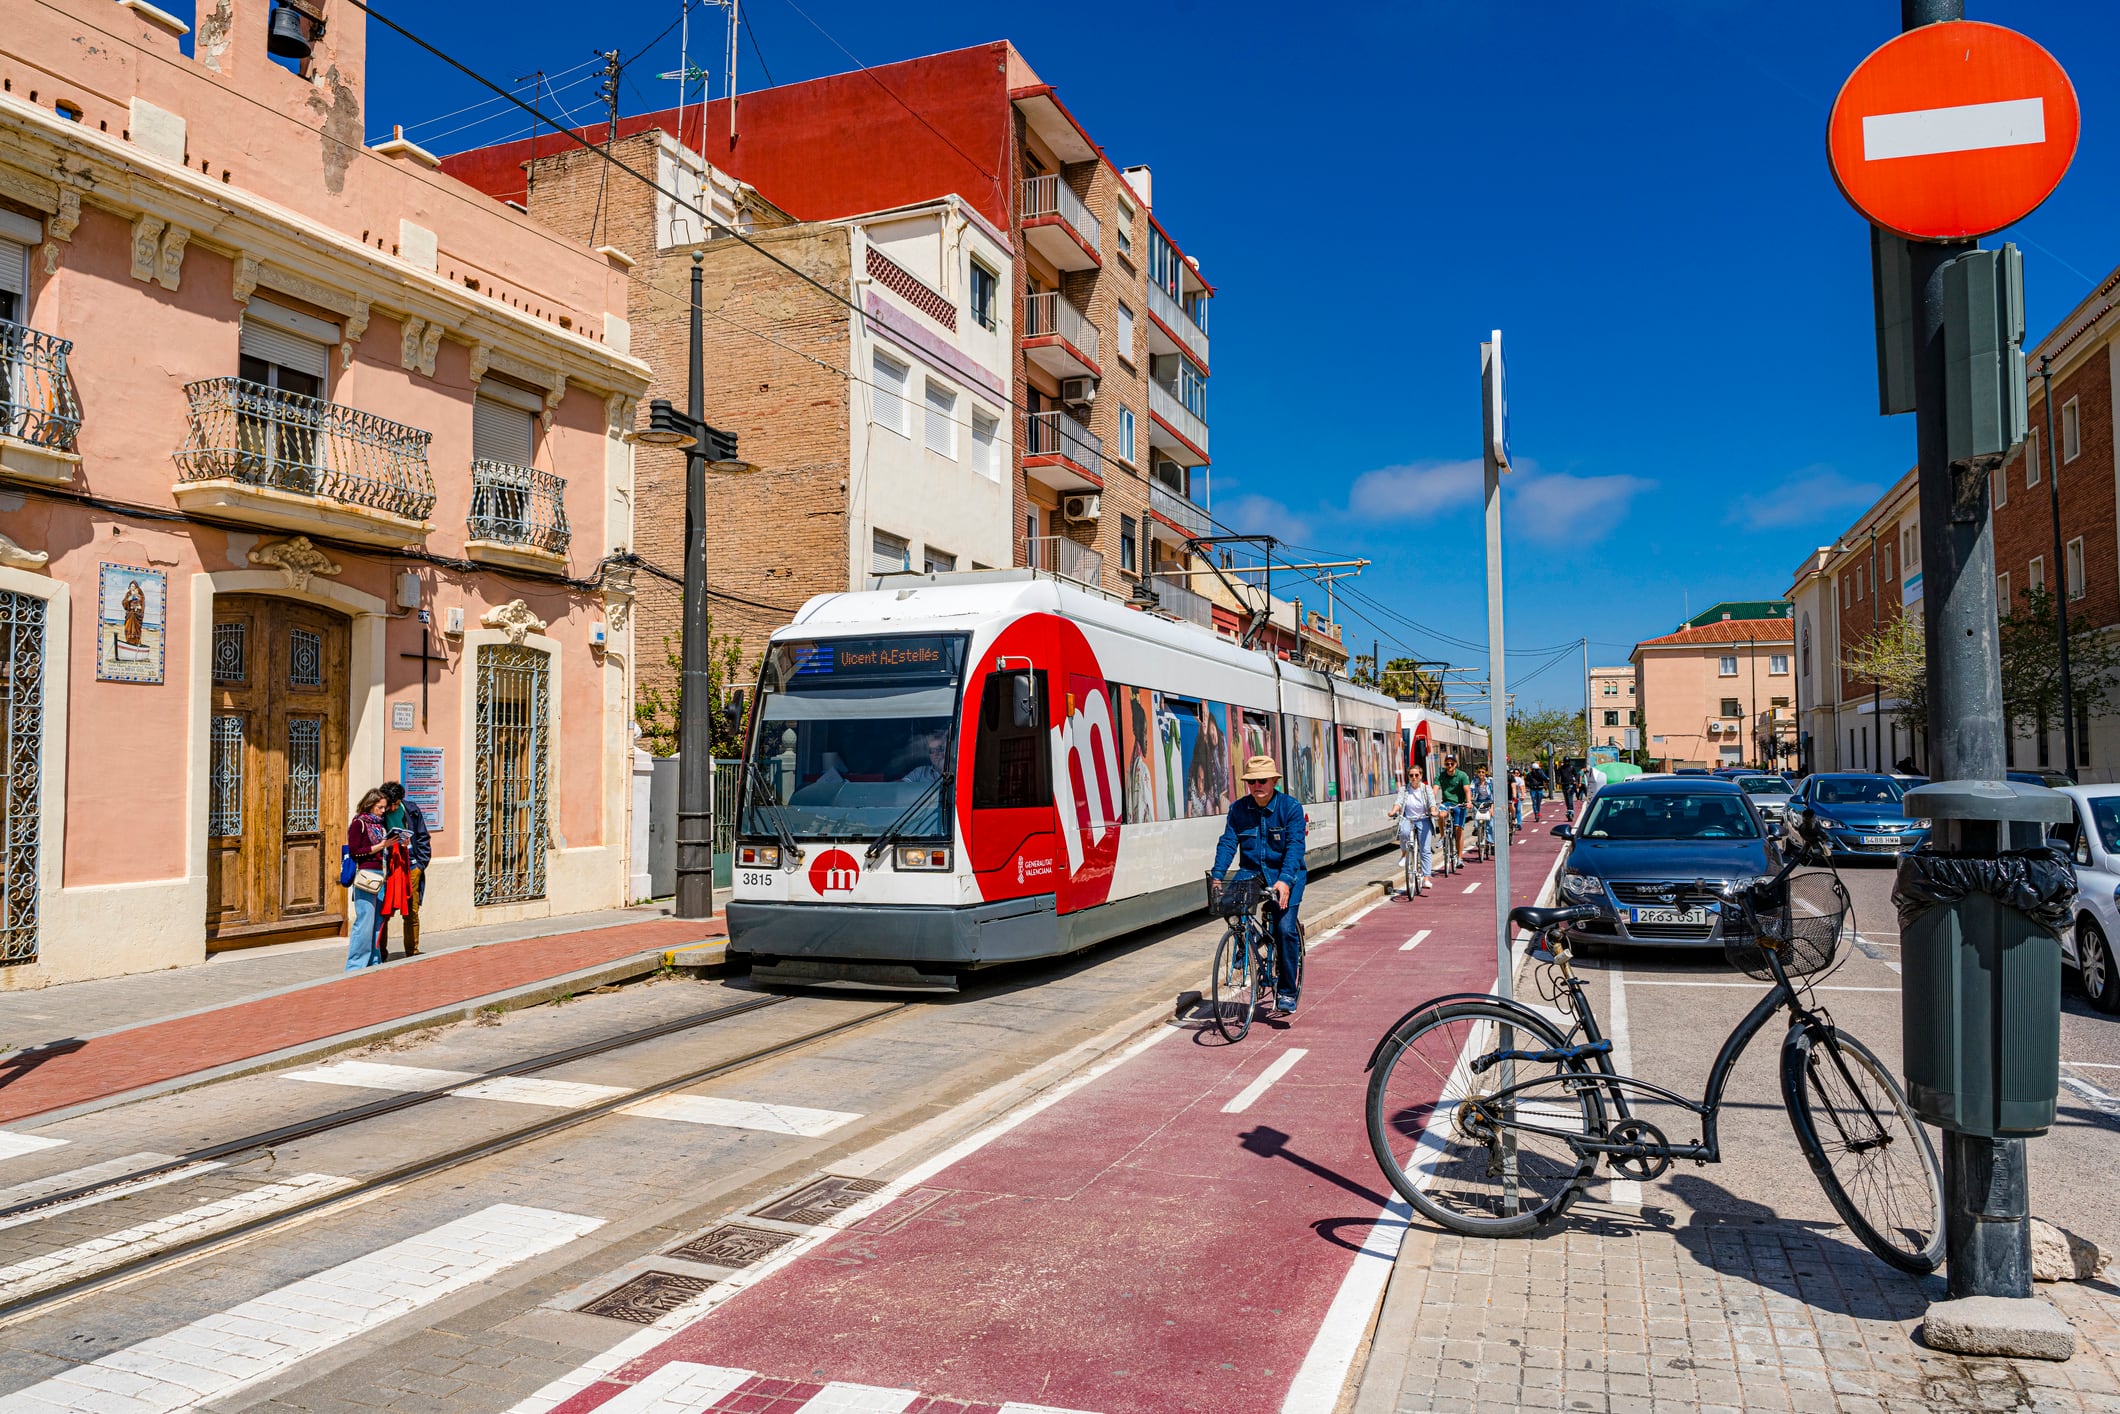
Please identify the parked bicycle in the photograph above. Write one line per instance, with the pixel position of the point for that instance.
(1245, 969)
(1490, 1121)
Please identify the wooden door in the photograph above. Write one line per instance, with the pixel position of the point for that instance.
(276, 807)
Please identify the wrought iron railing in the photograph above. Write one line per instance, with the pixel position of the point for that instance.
(262, 436)
(37, 402)
(1056, 434)
(1068, 559)
(1049, 312)
(518, 505)
(1049, 196)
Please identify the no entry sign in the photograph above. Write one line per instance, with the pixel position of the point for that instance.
(1953, 130)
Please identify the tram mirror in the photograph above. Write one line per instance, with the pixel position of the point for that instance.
(1023, 700)
(733, 709)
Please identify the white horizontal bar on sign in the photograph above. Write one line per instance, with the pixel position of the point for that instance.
(1968, 127)
(742, 1114)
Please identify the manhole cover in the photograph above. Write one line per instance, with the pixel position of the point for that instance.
(648, 1297)
(732, 1246)
(816, 1202)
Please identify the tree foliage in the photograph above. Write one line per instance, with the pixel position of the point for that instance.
(1896, 658)
(1531, 733)
(659, 716)
(1405, 678)
(2031, 665)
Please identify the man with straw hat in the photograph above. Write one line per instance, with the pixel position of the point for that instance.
(1265, 831)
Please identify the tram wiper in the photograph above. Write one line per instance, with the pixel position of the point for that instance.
(905, 816)
(790, 852)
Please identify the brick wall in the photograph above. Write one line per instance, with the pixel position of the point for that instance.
(2024, 524)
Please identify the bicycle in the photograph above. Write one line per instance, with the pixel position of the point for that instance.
(1475, 1146)
(1453, 836)
(1245, 966)
(1485, 821)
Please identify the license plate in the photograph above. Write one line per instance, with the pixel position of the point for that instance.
(1880, 839)
(1678, 916)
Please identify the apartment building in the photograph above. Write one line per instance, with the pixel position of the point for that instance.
(1107, 352)
(1703, 688)
(1615, 708)
(308, 458)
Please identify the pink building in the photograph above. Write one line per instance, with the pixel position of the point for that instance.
(309, 459)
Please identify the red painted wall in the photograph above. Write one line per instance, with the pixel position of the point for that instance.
(812, 148)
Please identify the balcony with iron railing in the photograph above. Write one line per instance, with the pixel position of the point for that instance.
(1061, 453)
(40, 416)
(518, 516)
(1169, 317)
(266, 457)
(1180, 602)
(1059, 337)
(1173, 506)
(1175, 428)
(1065, 559)
(1059, 225)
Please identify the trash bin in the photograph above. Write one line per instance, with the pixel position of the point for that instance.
(1981, 908)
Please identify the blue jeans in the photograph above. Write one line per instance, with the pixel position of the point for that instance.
(1287, 950)
(360, 943)
(1538, 803)
(1420, 844)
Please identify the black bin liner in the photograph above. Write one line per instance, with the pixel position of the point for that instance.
(2039, 883)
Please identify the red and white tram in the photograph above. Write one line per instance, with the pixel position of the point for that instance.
(1429, 736)
(972, 770)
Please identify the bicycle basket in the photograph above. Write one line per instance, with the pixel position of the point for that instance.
(1799, 915)
(1235, 896)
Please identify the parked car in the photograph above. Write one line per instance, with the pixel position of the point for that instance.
(1643, 842)
(1769, 794)
(1851, 814)
(2093, 840)
(2053, 780)
(1689, 771)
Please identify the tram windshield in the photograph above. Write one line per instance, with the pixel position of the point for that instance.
(853, 733)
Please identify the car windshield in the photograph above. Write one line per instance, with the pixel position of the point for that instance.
(2105, 815)
(1857, 790)
(1763, 785)
(1670, 815)
(851, 732)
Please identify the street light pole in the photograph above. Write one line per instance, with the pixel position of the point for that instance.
(695, 734)
(1876, 688)
(2053, 495)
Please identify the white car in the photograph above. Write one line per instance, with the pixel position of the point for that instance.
(2093, 839)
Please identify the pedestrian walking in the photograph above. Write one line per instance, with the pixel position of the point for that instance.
(1537, 782)
(408, 828)
(1570, 781)
(1415, 810)
(365, 839)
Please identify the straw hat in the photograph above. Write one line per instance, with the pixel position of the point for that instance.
(1261, 768)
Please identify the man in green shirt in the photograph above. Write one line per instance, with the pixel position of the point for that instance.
(1456, 789)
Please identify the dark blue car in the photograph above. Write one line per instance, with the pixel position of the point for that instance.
(1643, 846)
(1852, 814)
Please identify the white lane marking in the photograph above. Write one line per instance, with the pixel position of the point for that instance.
(1471, 886)
(1621, 1190)
(679, 1387)
(13, 1144)
(49, 1269)
(531, 1090)
(2100, 1100)
(741, 1114)
(647, 1339)
(105, 1195)
(222, 1353)
(1965, 127)
(375, 1075)
(1014, 1408)
(35, 1188)
(1415, 941)
(2091, 1065)
(1249, 1095)
(837, 1398)
(1867, 946)
(1754, 986)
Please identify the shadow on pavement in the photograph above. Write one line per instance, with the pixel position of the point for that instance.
(1815, 1263)
(21, 1063)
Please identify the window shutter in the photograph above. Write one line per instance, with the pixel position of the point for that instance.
(939, 561)
(14, 268)
(941, 420)
(292, 351)
(888, 406)
(888, 553)
(986, 446)
(500, 433)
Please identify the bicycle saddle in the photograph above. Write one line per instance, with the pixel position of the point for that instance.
(1537, 920)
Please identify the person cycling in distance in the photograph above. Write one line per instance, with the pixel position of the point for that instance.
(1265, 830)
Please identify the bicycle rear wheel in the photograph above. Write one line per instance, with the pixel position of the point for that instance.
(1434, 1131)
(1234, 986)
(1867, 1148)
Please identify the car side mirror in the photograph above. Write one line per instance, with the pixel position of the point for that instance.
(1773, 829)
(1564, 832)
(2083, 850)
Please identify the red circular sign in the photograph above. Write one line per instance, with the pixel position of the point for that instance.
(1953, 130)
(835, 871)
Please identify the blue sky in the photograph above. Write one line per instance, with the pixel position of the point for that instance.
(1636, 194)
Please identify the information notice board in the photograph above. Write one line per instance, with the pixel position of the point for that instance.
(420, 772)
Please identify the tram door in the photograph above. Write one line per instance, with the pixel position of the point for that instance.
(1012, 777)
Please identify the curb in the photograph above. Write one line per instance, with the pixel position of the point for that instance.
(627, 969)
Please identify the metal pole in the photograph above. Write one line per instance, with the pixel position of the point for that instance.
(1877, 761)
(1586, 704)
(695, 740)
(1497, 693)
(2053, 494)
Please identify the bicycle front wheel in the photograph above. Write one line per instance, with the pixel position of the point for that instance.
(1451, 1149)
(1234, 986)
(1870, 1153)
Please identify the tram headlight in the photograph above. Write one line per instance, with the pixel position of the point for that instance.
(759, 856)
(923, 857)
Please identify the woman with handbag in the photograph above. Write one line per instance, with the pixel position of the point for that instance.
(365, 838)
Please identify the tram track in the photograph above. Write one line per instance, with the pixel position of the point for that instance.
(126, 1269)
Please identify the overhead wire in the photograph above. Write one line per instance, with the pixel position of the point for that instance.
(482, 103)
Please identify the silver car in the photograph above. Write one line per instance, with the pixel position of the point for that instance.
(1769, 794)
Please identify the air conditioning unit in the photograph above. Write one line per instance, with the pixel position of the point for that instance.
(1082, 507)
(1078, 390)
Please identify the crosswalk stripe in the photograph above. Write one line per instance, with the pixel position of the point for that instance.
(13, 1144)
(81, 1177)
(741, 1114)
(679, 1387)
(837, 1398)
(376, 1075)
(1038, 1409)
(531, 1090)
(31, 1190)
(222, 1353)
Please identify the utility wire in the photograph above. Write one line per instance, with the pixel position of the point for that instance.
(756, 52)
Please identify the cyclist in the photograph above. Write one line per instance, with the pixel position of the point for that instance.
(1456, 789)
(1265, 831)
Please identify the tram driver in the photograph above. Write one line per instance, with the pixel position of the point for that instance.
(1265, 830)
(932, 747)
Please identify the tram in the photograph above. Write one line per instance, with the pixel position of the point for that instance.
(1428, 736)
(988, 767)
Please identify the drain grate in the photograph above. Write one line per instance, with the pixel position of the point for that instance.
(817, 1202)
(648, 1297)
(732, 1245)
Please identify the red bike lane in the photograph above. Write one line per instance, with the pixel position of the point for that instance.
(1170, 1236)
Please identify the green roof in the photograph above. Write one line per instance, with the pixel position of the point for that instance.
(1740, 609)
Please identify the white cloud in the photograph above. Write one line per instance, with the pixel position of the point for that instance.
(1260, 515)
(1817, 492)
(1414, 490)
(1558, 507)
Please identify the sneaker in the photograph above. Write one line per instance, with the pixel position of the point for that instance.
(1286, 1006)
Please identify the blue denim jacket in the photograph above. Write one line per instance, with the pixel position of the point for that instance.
(1269, 840)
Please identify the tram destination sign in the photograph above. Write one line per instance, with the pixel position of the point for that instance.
(883, 659)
